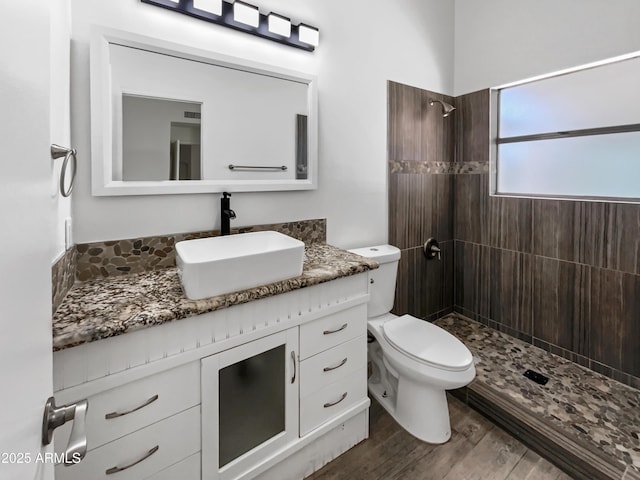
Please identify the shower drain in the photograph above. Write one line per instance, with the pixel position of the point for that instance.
(536, 377)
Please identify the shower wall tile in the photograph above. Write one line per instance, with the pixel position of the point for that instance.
(471, 266)
(471, 208)
(472, 121)
(569, 230)
(510, 224)
(563, 275)
(420, 207)
(421, 288)
(615, 320)
(416, 131)
(405, 122)
(511, 289)
(561, 304)
(600, 234)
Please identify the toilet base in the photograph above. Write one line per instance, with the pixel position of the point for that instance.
(421, 411)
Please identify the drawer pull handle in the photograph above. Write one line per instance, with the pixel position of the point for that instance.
(293, 359)
(328, 369)
(113, 470)
(331, 404)
(329, 332)
(111, 415)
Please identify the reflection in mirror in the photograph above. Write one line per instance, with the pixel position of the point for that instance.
(160, 139)
(147, 139)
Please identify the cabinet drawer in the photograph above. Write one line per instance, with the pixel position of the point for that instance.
(173, 439)
(329, 366)
(187, 469)
(322, 405)
(137, 404)
(332, 330)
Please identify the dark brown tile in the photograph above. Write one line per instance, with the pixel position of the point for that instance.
(405, 118)
(561, 292)
(615, 325)
(622, 237)
(554, 229)
(472, 119)
(448, 274)
(510, 223)
(471, 200)
(511, 289)
(600, 234)
(420, 206)
(420, 288)
(405, 284)
(417, 131)
(471, 264)
(438, 132)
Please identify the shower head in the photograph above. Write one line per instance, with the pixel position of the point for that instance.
(446, 108)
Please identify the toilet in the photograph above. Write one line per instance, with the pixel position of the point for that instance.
(413, 361)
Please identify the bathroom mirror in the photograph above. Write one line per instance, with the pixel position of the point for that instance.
(170, 119)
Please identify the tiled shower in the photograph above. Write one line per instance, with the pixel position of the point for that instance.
(562, 275)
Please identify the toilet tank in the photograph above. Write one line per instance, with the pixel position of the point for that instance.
(383, 288)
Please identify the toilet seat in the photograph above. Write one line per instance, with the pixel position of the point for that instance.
(427, 343)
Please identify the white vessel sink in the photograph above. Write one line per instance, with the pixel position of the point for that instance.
(218, 265)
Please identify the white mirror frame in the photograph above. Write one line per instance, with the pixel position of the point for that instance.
(102, 183)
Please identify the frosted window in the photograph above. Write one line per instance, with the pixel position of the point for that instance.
(594, 166)
(602, 96)
(570, 135)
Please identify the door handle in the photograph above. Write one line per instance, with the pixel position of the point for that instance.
(55, 417)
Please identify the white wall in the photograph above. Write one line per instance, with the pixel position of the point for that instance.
(499, 41)
(59, 112)
(363, 44)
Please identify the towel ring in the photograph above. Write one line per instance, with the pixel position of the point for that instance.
(56, 152)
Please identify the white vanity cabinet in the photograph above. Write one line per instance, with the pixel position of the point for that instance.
(249, 404)
(131, 428)
(273, 388)
(333, 366)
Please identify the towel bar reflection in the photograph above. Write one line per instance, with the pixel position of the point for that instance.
(249, 167)
(56, 152)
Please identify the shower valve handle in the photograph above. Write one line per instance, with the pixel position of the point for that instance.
(432, 249)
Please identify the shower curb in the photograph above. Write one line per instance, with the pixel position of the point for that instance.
(578, 459)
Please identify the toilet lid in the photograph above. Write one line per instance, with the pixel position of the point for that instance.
(427, 343)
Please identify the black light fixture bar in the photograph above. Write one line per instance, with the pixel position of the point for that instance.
(226, 19)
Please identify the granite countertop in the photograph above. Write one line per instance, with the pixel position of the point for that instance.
(105, 308)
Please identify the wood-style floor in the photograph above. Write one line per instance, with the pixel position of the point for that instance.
(477, 450)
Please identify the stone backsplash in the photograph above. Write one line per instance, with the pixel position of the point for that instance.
(63, 275)
(88, 261)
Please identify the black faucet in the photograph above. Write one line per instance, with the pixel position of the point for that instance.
(226, 214)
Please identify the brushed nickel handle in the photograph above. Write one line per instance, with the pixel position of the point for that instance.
(68, 153)
(111, 415)
(55, 416)
(329, 332)
(113, 470)
(331, 404)
(328, 369)
(293, 359)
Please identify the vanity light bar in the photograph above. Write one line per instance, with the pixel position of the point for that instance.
(247, 18)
